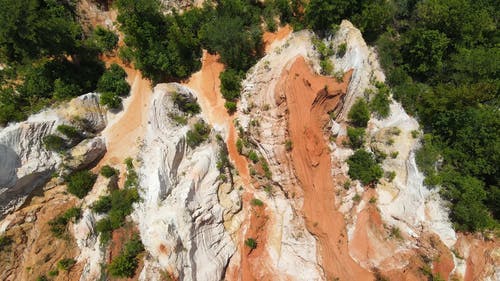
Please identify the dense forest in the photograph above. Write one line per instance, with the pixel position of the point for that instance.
(441, 58)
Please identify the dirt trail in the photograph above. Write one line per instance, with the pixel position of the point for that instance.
(309, 98)
(206, 83)
(122, 136)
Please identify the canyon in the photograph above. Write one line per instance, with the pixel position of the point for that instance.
(308, 220)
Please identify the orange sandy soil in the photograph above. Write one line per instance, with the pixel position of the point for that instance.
(269, 38)
(481, 255)
(206, 83)
(309, 99)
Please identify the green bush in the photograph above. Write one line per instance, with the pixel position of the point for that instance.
(80, 183)
(230, 81)
(363, 167)
(265, 167)
(64, 90)
(239, 146)
(69, 131)
(380, 102)
(230, 106)
(252, 155)
(342, 50)
(126, 263)
(198, 134)
(113, 81)
(359, 113)
(256, 202)
(66, 264)
(288, 145)
(53, 272)
(58, 224)
(356, 137)
(110, 99)
(104, 228)
(108, 171)
(54, 143)
(251, 243)
(186, 103)
(104, 39)
(102, 205)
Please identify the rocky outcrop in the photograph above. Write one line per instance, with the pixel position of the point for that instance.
(180, 218)
(25, 162)
(85, 153)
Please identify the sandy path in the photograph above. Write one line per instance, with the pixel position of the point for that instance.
(206, 84)
(308, 103)
(128, 127)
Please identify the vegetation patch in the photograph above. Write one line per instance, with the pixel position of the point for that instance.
(359, 113)
(186, 103)
(251, 243)
(80, 183)
(58, 225)
(198, 134)
(125, 264)
(66, 264)
(363, 167)
(107, 171)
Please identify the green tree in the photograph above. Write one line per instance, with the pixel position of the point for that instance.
(356, 136)
(363, 167)
(104, 39)
(359, 113)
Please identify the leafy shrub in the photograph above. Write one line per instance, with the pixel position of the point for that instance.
(186, 103)
(118, 205)
(198, 134)
(108, 171)
(104, 39)
(58, 224)
(69, 131)
(239, 146)
(252, 155)
(113, 81)
(66, 264)
(110, 99)
(288, 145)
(356, 137)
(359, 113)
(80, 183)
(126, 263)
(104, 228)
(342, 50)
(265, 167)
(102, 205)
(363, 167)
(230, 106)
(65, 90)
(256, 202)
(53, 272)
(54, 143)
(230, 81)
(380, 102)
(251, 243)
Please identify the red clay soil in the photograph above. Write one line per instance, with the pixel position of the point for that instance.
(480, 255)
(309, 99)
(269, 38)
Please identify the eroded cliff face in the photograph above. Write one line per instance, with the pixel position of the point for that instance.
(180, 218)
(195, 220)
(25, 162)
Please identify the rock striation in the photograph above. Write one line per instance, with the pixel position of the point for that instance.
(180, 218)
(25, 162)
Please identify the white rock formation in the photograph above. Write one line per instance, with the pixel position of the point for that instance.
(25, 164)
(291, 247)
(85, 153)
(180, 218)
(359, 57)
